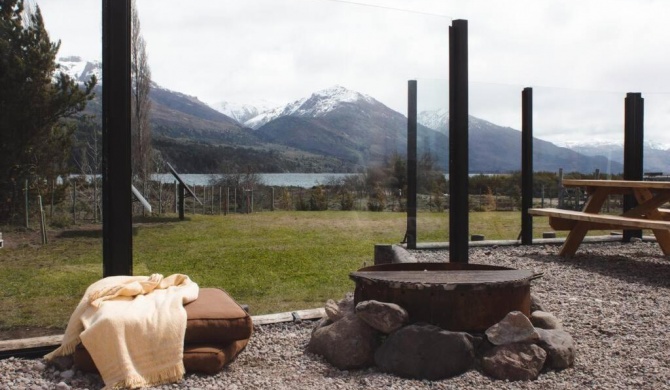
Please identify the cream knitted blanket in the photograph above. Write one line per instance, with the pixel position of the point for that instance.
(133, 327)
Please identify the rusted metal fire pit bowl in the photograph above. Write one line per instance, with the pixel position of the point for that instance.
(454, 296)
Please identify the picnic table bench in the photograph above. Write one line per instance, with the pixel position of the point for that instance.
(648, 214)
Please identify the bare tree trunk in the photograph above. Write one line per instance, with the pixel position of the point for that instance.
(141, 105)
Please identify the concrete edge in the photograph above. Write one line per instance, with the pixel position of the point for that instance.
(398, 253)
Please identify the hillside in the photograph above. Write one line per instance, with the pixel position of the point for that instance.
(496, 148)
(333, 130)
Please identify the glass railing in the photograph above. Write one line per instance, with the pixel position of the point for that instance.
(287, 207)
(274, 242)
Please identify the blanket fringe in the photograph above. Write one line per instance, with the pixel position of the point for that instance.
(65, 349)
(168, 375)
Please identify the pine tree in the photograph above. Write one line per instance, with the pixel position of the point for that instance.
(34, 100)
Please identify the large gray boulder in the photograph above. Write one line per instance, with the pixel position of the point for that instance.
(517, 361)
(514, 328)
(385, 317)
(347, 343)
(559, 346)
(425, 351)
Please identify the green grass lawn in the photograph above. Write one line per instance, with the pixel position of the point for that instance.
(273, 261)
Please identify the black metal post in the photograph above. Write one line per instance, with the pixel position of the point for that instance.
(458, 142)
(526, 165)
(180, 201)
(117, 237)
(633, 151)
(410, 235)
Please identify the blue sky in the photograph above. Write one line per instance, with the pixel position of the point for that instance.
(580, 57)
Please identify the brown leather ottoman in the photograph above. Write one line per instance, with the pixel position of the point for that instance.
(217, 330)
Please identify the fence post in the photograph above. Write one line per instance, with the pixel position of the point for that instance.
(53, 189)
(25, 190)
(74, 201)
(95, 199)
(43, 228)
(272, 204)
(144, 194)
(160, 197)
(180, 201)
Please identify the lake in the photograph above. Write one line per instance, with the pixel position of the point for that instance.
(304, 180)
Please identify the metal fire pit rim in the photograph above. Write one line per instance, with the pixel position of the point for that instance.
(443, 287)
(522, 279)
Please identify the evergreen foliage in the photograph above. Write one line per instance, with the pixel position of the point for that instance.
(34, 98)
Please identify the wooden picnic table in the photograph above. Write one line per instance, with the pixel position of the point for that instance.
(648, 214)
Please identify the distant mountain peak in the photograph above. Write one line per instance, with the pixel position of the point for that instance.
(324, 101)
(316, 105)
(604, 145)
(439, 120)
(341, 94)
(241, 112)
(435, 119)
(79, 69)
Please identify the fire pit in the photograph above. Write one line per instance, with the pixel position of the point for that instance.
(454, 296)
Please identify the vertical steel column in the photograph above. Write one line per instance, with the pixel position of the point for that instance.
(410, 235)
(526, 165)
(181, 200)
(633, 151)
(458, 142)
(117, 236)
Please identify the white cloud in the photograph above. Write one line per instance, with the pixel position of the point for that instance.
(282, 50)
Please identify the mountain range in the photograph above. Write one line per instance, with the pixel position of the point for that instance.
(333, 130)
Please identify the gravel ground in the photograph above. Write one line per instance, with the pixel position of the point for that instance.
(614, 299)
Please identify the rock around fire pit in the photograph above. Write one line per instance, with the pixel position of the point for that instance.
(377, 333)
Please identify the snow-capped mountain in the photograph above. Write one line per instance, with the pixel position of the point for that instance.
(241, 112)
(439, 120)
(496, 148)
(317, 105)
(435, 119)
(656, 155)
(597, 146)
(79, 69)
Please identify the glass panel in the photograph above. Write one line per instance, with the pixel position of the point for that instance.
(256, 231)
(656, 136)
(43, 281)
